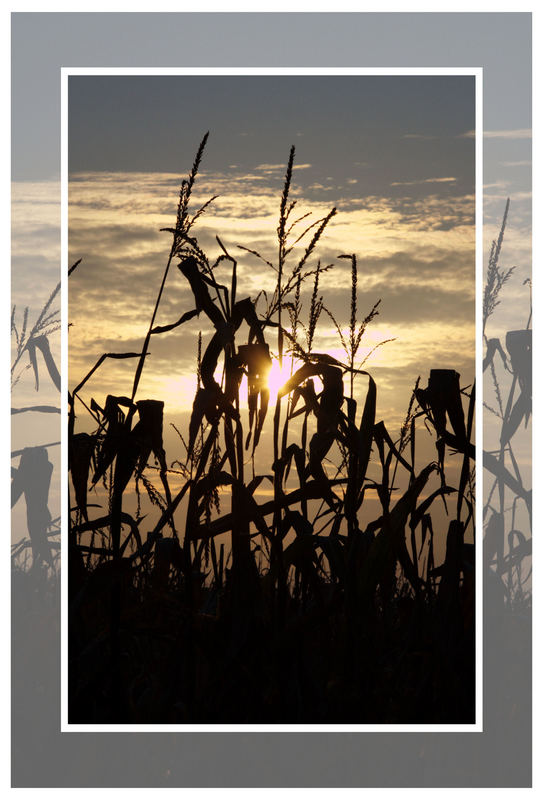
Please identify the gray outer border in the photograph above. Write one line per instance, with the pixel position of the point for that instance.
(41, 755)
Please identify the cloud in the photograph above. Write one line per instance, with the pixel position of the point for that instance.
(517, 133)
(35, 243)
(282, 167)
(425, 180)
(515, 164)
(320, 187)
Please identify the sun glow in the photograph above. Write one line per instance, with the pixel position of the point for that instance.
(179, 392)
(279, 375)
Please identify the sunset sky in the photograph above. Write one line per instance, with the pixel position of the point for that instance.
(394, 155)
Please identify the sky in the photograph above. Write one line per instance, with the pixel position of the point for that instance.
(384, 131)
(393, 155)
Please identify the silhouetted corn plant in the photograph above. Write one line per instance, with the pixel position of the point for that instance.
(32, 477)
(513, 394)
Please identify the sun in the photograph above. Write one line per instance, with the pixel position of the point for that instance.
(279, 375)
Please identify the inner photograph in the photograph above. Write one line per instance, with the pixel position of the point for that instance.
(271, 407)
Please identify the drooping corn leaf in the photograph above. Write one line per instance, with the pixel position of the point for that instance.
(80, 453)
(188, 315)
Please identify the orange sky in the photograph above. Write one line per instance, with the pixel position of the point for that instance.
(421, 266)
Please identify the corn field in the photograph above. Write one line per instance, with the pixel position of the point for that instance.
(309, 610)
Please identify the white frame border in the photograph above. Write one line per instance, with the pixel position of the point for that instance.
(477, 72)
